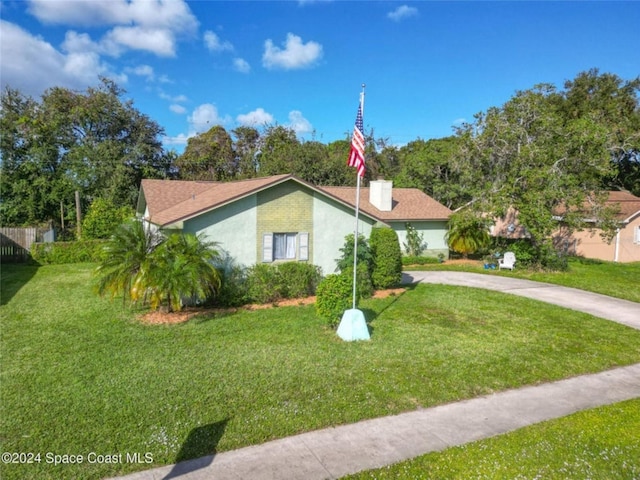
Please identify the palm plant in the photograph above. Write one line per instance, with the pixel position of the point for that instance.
(467, 233)
(181, 267)
(124, 255)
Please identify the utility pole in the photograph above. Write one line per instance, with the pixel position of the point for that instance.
(78, 216)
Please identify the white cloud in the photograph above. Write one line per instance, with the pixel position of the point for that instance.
(149, 25)
(298, 123)
(241, 65)
(142, 71)
(180, 139)
(33, 65)
(204, 117)
(402, 12)
(295, 54)
(158, 41)
(213, 43)
(256, 118)
(179, 109)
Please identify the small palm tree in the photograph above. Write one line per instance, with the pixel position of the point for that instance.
(124, 254)
(467, 233)
(181, 267)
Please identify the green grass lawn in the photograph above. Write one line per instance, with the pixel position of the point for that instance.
(619, 280)
(599, 443)
(79, 374)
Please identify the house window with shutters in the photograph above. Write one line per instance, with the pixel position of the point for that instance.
(286, 246)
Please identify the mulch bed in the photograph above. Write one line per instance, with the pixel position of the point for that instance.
(168, 318)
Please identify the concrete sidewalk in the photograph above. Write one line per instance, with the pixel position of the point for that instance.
(334, 452)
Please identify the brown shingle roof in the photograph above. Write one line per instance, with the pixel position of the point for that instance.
(407, 204)
(171, 201)
(629, 204)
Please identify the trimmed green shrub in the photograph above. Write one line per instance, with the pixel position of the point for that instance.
(68, 252)
(264, 284)
(387, 258)
(268, 283)
(333, 296)
(364, 286)
(299, 279)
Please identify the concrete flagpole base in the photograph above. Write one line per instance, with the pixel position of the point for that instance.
(353, 326)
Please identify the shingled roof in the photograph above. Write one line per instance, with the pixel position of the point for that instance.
(629, 205)
(171, 201)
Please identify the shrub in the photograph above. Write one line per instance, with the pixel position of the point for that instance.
(233, 290)
(419, 260)
(365, 255)
(333, 296)
(299, 279)
(264, 284)
(364, 286)
(387, 257)
(415, 244)
(67, 252)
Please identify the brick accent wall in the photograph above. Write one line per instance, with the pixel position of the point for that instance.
(285, 208)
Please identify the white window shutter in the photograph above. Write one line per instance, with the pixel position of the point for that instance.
(267, 247)
(303, 246)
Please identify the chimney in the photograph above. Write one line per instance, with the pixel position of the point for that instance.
(381, 194)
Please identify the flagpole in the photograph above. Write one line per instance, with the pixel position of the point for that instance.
(355, 236)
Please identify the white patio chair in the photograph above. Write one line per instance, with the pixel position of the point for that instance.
(508, 261)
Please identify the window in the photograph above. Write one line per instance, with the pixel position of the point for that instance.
(636, 235)
(285, 246)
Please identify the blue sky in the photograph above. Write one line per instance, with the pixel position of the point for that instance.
(427, 65)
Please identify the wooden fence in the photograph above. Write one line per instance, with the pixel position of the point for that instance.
(15, 244)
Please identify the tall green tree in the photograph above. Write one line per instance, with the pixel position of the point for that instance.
(280, 151)
(208, 156)
(529, 156)
(94, 142)
(246, 147)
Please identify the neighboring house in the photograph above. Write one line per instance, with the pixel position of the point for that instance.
(625, 246)
(284, 218)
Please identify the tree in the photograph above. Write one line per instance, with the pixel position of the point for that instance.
(427, 165)
(527, 155)
(125, 254)
(279, 151)
(467, 233)
(142, 265)
(246, 146)
(103, 218)
(208, 156)
(182, 267)
(92, 142)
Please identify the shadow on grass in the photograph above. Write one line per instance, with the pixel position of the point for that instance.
(198, 449)
(13, 278)
(370, 314)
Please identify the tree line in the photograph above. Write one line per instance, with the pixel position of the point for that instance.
(545, 149)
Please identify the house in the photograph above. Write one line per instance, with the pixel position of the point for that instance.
(284, 218)
(625, 246)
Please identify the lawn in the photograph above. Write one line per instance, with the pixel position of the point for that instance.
(80, 375)
(599, 443)
(619, 280)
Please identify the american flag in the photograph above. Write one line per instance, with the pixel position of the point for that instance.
(356, 155)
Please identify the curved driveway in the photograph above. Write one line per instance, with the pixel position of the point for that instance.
(615, 309)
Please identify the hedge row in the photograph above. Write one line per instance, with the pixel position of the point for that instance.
(67, 252)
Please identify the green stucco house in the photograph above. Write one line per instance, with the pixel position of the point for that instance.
(283, 218)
